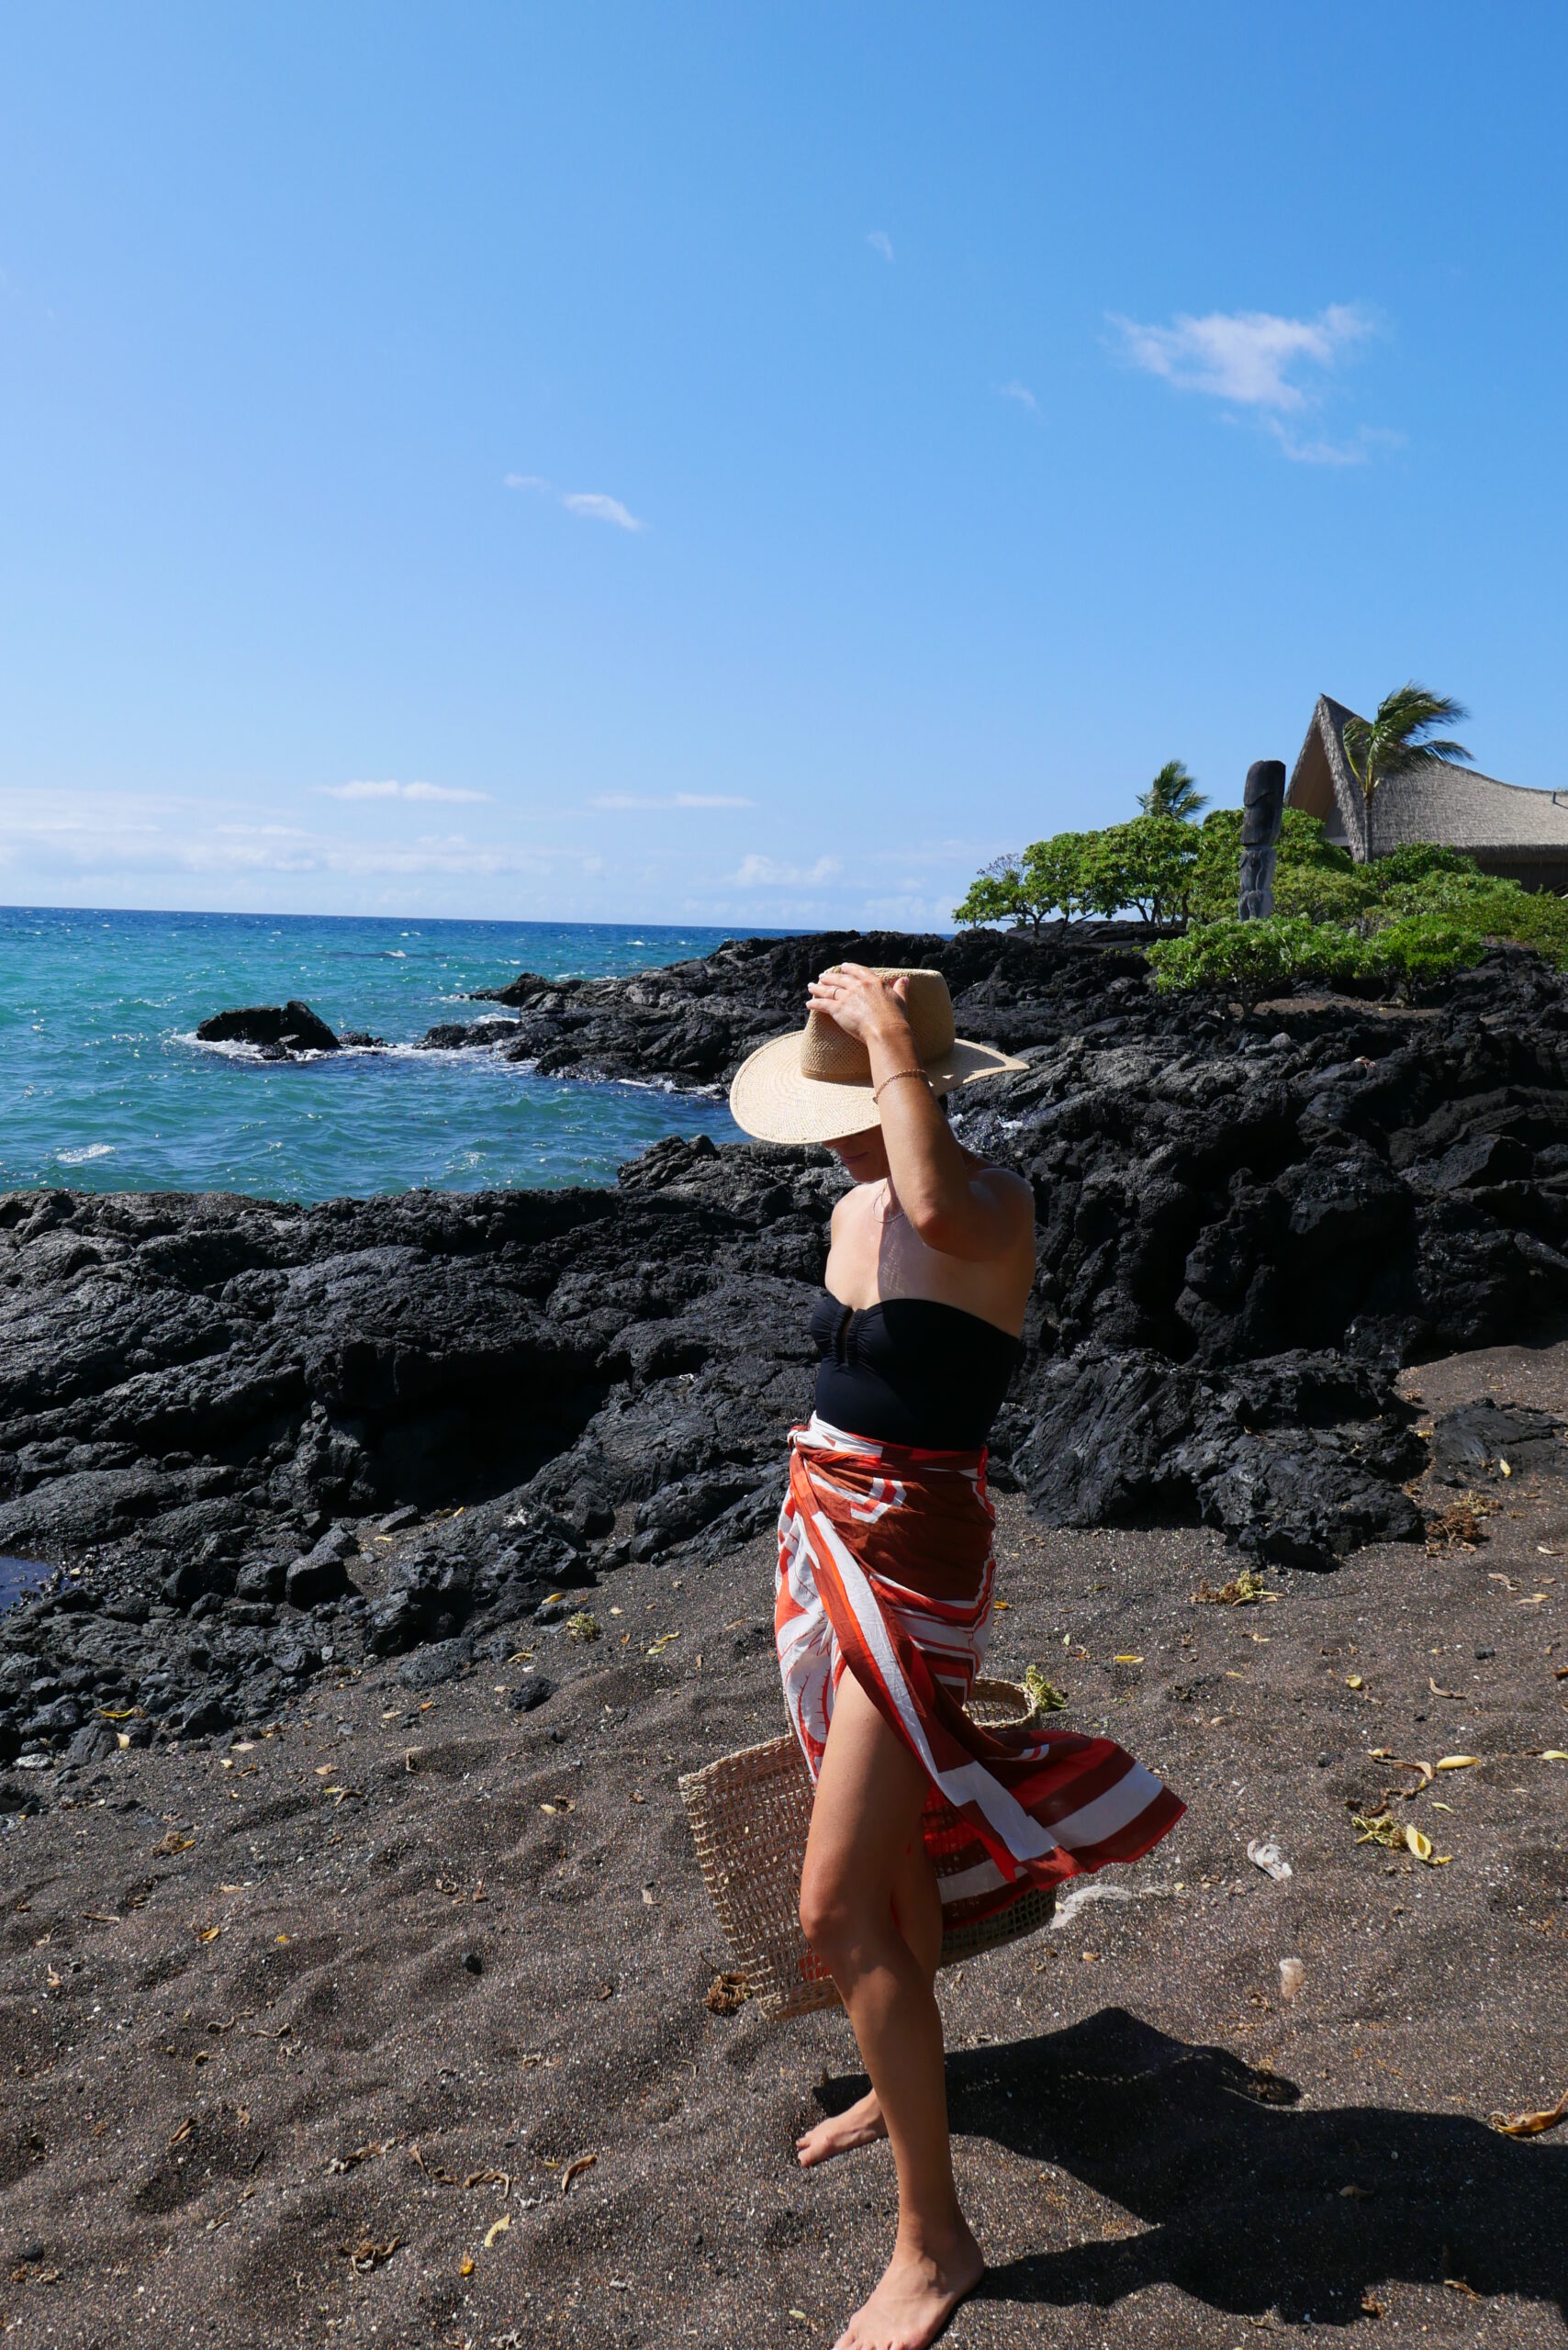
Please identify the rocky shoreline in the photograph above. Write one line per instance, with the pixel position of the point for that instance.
(264, 1444)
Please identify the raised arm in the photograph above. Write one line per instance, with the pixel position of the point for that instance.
(956, 1209)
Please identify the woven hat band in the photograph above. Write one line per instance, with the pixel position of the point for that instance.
(831, 1058)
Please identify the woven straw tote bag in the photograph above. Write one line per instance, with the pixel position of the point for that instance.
(750, 1814)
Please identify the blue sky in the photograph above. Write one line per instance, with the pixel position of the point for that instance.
(748, 465)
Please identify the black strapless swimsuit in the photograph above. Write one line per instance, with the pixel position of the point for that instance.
(911, 1370)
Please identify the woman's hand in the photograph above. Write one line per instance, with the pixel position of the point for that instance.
(862, 1002)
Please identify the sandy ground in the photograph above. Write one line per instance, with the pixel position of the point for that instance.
(303, 2041)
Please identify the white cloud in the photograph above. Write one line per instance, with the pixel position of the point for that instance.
(880, 242)
(446, 792)
(1354, 452)
(1022, 394)
(766, 873)
(89, 835)
(676, 799)
(592, 504)
(1250, 357)
(599, 509)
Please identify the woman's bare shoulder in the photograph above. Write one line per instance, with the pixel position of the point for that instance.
(1004, 1183)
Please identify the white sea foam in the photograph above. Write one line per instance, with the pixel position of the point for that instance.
(88, 1150)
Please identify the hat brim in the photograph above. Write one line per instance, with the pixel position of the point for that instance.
(771, 1098)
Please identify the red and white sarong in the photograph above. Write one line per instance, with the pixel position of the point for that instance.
(886, 1571)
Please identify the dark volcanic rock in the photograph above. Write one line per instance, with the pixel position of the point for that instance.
(286, 1028)
(1245, 1227)
(694, 1023)
(1487, 1439)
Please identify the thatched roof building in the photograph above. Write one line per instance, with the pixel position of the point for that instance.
(1506, 827)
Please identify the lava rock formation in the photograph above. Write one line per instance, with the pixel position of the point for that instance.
(265, 1441)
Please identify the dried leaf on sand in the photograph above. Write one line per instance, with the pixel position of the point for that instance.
(1242, 1591)
(1396, 1836)
(1459, 1526)
(726, 1993)
(367, 2254)
(1530, 2125)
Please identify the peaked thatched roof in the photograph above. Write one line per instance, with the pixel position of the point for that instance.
(1503, 824)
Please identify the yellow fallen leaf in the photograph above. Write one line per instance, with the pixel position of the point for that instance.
(1504, 1468)
(324, 1770)
(1441, 1806)
(581, 2163)
(1553, 1754)
(1126, 1660)
(1000, 1606)
(207, 1933)
(280, 1938)
(1459, 1761)
(1530, 2125)
(465, 2267)
(1421, 1846)
(499, 2229)
(1352, 1679)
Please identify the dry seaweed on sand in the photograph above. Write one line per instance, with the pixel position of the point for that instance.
(1243, 1590)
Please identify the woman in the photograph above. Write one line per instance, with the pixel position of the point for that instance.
(884, 1589)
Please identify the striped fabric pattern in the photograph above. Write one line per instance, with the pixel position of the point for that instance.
(886, 1570)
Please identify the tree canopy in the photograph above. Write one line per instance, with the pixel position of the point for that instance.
(1173, 792)
(1401, 735)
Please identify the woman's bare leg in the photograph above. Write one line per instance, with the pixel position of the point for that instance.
(917, 1913)
(870, 1792)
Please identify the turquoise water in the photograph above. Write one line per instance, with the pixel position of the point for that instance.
(104, 1087)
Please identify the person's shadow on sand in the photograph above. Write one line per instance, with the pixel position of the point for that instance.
(1242, 2191)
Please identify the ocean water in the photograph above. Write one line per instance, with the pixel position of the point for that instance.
(104, 1087)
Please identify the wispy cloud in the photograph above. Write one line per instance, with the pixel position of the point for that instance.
(768, 873)
(601, 508)
(593, 505)
(121, 837)
(1021, 393)
(1361, 446)
(880, 242)
(674, 800)
(1249, 357)
(389, 790)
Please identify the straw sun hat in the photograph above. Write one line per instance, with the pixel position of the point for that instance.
(815, 1084)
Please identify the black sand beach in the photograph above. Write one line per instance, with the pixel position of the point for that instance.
(291, 2028)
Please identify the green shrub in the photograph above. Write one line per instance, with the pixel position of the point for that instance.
(1418, 948)
(1249, 958)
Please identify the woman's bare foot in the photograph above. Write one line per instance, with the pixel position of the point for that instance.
(919, 2291)
(858, 2125)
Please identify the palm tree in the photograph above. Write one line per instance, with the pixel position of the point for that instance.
(1173, 792)
(1400, 737)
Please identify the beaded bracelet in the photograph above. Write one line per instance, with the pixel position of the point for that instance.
(893, 1079)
